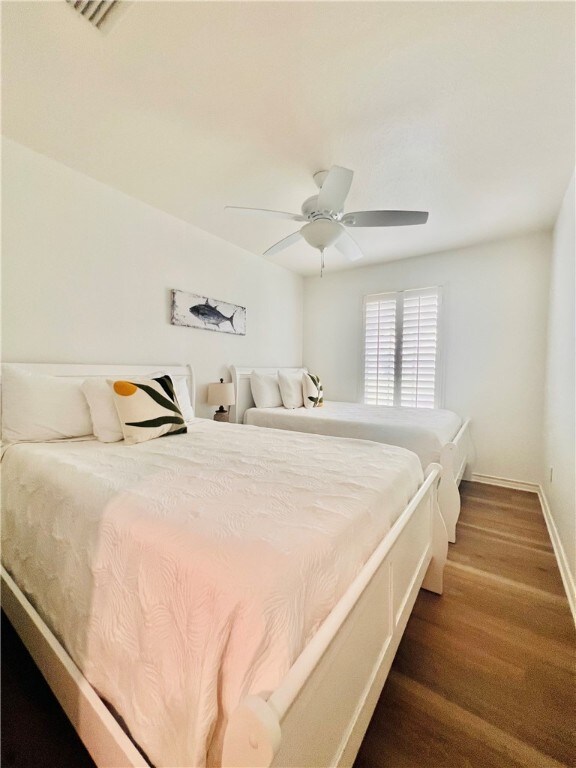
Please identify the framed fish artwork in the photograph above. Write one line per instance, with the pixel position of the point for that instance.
(197, 311)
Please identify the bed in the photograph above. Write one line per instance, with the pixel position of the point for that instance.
(217, 590)
(435, 435)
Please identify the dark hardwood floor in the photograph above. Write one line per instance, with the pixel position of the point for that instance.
(483, 678)
(35, 731)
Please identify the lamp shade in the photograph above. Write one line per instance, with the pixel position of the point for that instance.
(221, 394)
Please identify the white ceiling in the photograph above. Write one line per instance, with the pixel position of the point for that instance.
(464, 109)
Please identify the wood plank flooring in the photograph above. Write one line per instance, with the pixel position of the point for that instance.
(483, 678)
(484, 675)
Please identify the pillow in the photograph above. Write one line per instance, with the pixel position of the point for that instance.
(182, 394)
(147, 408)
(107, 426)
(291, 389)
(265, 390)
(105, 421)
(313, 391)
(37, 407)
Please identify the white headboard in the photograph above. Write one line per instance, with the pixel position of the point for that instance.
(81, 370)
(241, 381)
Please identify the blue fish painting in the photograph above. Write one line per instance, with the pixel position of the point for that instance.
(195, 311)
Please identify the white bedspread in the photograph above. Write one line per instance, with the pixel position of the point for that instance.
(422, 430)
(186, 572)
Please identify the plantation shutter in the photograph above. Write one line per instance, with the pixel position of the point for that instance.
(380, 350)
(401, 348)
(419, 348)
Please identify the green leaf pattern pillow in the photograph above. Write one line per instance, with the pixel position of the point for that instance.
(313, 391)
(147, 408)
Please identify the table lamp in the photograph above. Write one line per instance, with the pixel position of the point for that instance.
(221, 394)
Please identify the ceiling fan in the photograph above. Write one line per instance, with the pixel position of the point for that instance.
(326, 221)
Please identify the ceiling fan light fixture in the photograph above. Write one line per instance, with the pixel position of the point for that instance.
(321, 233)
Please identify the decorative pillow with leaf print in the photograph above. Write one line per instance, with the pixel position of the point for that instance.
(147, 408)
(313, 392)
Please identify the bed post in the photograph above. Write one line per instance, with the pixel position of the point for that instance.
(448, 494)
(433, 580)
(252, 735)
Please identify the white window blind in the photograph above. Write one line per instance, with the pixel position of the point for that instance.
(401, 348)
(380, 350)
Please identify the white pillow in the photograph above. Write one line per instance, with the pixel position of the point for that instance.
(265, 390)
(291, 389)
(98, 394)
(36, 407)
(313, 391)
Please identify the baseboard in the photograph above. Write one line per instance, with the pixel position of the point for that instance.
(518, 485)
(565, 573)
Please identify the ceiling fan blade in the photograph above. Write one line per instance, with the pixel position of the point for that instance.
(335, 188)
(384, 218)
(266, 212)
(348, 247)
(284, 243)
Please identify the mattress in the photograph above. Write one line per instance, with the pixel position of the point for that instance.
(184, 573)
(422, 430)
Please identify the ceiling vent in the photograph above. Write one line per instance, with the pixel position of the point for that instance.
(97, 12)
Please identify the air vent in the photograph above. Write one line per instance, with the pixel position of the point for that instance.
(95, 11)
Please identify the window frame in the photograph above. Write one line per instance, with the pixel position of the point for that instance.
(439, 368)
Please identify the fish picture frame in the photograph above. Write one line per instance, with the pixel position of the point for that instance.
(195, 311)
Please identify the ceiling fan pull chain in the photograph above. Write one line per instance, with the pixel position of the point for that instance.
(321, 261)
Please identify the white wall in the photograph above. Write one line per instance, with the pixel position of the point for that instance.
(559, 410)
(494, 332)
(87, 273)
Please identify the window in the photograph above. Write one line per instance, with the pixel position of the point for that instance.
(401, 348)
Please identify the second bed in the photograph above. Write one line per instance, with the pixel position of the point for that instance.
(434, 434)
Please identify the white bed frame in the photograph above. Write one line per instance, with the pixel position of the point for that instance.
(453, 456)
(346, 661)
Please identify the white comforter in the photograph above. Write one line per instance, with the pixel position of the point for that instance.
(422, 430)
(186, 572)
